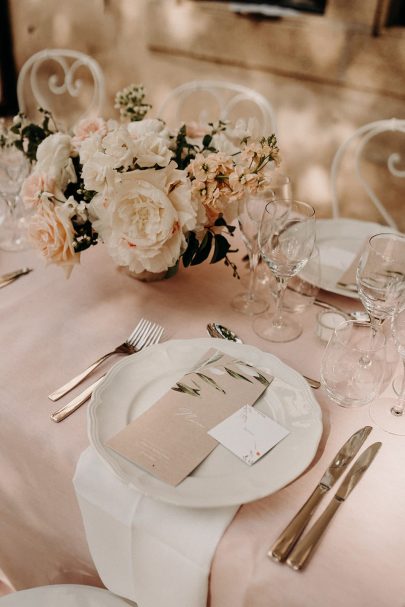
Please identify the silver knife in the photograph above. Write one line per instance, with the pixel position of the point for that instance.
(6, 279)
(303, 550)
(289, 537)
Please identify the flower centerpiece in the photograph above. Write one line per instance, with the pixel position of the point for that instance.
(152, 196)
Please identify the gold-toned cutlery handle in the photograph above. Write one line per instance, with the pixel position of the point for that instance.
(305, 547)
(314, 383)
(77, 402)
(289, 537)
(4, 283)
(57, 394)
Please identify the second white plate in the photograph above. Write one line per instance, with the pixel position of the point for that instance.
(136, 383)
(338, 241)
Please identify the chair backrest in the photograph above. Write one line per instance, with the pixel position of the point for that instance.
(67, 82)
(204, 101)
(360, 138)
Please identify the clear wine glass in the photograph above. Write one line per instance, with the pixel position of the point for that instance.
(380, 276)
(286, 241)
(250, 302)
(389, 413)
(345, 379)
(14, 168)
(250, 212)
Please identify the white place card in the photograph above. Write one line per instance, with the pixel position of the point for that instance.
(248, 433)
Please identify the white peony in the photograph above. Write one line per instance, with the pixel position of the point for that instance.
(143, 221)
(53, 159)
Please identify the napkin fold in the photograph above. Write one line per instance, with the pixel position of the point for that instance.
(154, 553)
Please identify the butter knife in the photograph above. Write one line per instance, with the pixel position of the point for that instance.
(305, 547)
(289, 537)
(8, 278)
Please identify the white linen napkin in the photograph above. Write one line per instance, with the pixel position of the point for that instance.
(147, 551)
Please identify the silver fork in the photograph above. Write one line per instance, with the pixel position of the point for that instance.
(151, 337)
(129, 346)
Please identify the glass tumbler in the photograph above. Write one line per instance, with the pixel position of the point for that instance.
(346, 378)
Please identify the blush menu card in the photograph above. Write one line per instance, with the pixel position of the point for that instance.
(171, 439)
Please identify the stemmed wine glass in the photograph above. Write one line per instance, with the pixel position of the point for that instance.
(380, 277)
(250, 213)
(14, 168)
(286, 241)
(389, 413)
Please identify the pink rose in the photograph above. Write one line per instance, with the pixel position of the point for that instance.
(87, 127)
(36, 188)
(51, 231)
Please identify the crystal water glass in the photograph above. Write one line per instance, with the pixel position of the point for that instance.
(14, 168)
(303, 289)
(251, 302)
(389, 413)
(251, 208)
(344, 377)
(380, 276)
(286, 241)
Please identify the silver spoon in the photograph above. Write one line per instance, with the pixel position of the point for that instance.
(216, 330)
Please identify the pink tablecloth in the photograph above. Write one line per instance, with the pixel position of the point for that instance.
(51, 328)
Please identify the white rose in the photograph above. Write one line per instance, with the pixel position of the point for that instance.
(221, 143)
(90, 146)
(98, 172)
(118, 145)
(53, 158)
(139, 128)
(152, 150)
(249, 128)
(144, 219)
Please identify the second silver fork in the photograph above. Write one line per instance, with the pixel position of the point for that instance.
(150, 337)
(127, 347)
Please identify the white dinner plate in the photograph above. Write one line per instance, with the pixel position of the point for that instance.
(63, 595)
(338, 241)
(136, 383)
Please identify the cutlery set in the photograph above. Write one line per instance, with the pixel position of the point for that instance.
(292, 546)
(295, 551)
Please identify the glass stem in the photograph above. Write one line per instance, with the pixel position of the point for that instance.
(253, 261)
(375, 323)
(399, 407)
(281, 287)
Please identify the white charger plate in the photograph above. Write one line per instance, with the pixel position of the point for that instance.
(63, 595)
(133, 385)
(340, 235)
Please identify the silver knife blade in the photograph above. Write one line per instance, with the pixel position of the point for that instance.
(289, 537)
(356, 472)
(306, 546)
(344, 456)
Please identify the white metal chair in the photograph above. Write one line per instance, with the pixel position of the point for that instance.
(212, 100)
(67, 82)
(363, 135)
